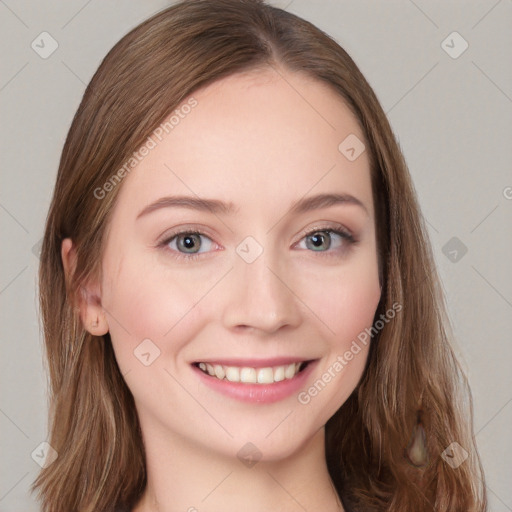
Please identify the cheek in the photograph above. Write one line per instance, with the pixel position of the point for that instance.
(351, 308)
(344, 299)
(346, 305)
(146, 298)
(142, 304)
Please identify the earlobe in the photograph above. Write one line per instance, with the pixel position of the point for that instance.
(88, 299)
(98, 326)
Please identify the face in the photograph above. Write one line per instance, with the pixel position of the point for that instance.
(243, 244)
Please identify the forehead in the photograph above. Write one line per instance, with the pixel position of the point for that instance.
(253, 136)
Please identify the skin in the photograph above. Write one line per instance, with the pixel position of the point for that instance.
(261, 140)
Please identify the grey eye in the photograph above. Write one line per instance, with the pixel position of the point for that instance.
(322, 240)
(190, 243)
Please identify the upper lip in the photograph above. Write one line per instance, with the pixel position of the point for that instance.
(254, 363)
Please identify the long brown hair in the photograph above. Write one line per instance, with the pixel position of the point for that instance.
(413, 389)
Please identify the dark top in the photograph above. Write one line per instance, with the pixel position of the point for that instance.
(345, 506)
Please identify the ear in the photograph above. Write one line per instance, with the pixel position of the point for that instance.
(88, 300)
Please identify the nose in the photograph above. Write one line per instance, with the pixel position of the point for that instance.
(260, 297)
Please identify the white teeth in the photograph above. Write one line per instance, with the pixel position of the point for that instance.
(233, 374)
(289, 371)
(278, 373)
(248, 375)
(219, 371)
(265, 376)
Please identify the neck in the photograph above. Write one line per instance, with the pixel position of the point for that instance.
(186, 478)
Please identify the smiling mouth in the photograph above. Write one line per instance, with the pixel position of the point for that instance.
(248, 375)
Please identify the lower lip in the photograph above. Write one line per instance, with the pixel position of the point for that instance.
(257, 393)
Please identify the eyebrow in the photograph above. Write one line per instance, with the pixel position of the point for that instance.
(319, 201)
(216, 206)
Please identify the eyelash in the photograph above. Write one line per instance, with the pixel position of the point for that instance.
(345, 235)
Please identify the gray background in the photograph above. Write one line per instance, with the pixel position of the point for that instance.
(453, 120)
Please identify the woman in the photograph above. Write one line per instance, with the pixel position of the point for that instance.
(239, 299)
